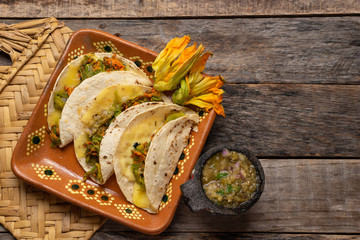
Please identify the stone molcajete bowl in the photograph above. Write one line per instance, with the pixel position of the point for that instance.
(194, 195)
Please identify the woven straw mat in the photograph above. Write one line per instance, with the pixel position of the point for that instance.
(28, 213)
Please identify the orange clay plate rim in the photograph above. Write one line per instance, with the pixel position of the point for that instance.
(58, 172)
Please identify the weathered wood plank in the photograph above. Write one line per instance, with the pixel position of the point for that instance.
(208, 236)
(300, 196)
(264, 50)
(6, 236)
(2, 229)
(260, 236)
(291, 120)
(170, 8)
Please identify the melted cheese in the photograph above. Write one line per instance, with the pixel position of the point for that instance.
(140, 132)
(54, 117)
(140, 198)
(79, 145)
(70, 78)
(101, 108)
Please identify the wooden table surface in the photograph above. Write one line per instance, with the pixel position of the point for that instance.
(292, 96)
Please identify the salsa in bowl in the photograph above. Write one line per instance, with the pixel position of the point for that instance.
(226, 180)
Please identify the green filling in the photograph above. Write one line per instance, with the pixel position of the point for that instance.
(92, 153)
(96, 171)
(60, 98)
(139, 155)
(55, 136)
(90, 66)
(174, 116)
(119, 106)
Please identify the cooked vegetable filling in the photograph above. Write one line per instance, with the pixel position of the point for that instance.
(93, 146)
(138, 155)
(60, 98)
(89, 67)
(174, 116)
(54, 135)
(229, 178)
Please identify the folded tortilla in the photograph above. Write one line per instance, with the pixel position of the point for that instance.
(167, 140)
(84, 131)
(84, 94)
(69, 77)
(161, 163)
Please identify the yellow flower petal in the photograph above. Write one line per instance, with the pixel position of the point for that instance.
(195, 75)
(176, 71)
(208, 101)
(170, 52)
(180, 68)
(208, 84)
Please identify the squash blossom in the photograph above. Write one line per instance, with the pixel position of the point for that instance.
(195, 87)
(207, 94)
(174, 62)
(208, 101)
(180, 68)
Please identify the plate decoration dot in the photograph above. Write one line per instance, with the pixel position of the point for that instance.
(107, 46)
(46, 172)
(35, 140)
(129, 211)
(166, 199)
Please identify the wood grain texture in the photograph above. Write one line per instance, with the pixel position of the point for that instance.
(6, 236)
(170, 8)
(259, 50)
(300, 196)
(230, 236)
(266, 50)
(282, 119)
(291, 120)
(292, 93)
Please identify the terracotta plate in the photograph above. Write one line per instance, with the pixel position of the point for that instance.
(57, 170)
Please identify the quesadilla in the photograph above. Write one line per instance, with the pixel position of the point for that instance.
(81, 97)
(90, 122)
(146, 149)
(81, 70)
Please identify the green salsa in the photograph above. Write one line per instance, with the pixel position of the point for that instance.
(229, 178)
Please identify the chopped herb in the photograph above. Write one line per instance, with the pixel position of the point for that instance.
(220, 192)
(229, 188)
(221, 175)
